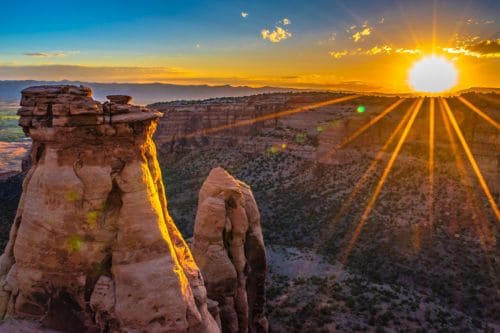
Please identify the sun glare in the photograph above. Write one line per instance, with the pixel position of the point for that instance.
(432, 74)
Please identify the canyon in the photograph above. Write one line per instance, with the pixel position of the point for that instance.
(313, 174)
(306, 162)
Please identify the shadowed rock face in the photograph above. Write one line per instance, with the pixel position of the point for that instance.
(229, 249)
(92, 247)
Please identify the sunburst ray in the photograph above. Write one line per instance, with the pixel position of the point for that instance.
(364, 179)
(478, 215)
(274, 115)
(361, 130)
(380, 185)
(479, 112)
(471, 159)
(431, 158)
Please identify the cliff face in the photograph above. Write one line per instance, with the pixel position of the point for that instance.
(267, 123)
(92, 247)
(229, 248)
(190, 125)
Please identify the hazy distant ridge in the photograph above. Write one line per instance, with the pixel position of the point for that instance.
(148, 93)
(143, 93)
(482, 90)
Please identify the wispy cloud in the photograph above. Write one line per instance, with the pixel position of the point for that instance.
(45, 55)
(376, 50)
(276, 35)
(358, 36)
(473, 21)
(279, 33)
(408, 51)
(384, 49)
(486, 47)
(339, 54)
(244, 14)
(469, 46)
(50, 54)
(476, 48)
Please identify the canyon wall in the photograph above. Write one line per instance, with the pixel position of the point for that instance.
(254, 125)
(250, 124)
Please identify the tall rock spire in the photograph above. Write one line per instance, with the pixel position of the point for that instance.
(229, 248)
(92, 247)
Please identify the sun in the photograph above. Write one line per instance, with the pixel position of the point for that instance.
(432, 74)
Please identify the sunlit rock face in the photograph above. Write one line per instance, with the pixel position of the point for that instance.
(229, 249)
(93, 247)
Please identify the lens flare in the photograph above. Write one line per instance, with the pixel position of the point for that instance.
(433, 74)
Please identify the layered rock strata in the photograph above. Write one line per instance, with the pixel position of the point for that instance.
(93, 247)
(229, 248)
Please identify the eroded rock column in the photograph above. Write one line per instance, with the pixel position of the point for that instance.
(229, 248)
(93, 247)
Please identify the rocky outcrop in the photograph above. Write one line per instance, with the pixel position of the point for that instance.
(229, 249)
(92, 247)
(119, 99)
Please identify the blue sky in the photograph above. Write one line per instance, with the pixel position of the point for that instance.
(212, 40)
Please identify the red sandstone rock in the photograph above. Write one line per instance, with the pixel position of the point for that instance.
(119, 99)
(229, 248)
(92, 247)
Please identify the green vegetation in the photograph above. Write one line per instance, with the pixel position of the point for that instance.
(397, 280)
(9, 129)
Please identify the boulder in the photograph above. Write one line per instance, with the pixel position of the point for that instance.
(119, 99)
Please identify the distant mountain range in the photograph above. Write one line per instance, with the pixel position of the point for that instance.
(148, 93)
(482, 90)
(143, 93)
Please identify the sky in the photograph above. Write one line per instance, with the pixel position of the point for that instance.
(360, 45)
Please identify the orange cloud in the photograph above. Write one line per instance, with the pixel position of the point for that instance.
(338, 54)
(384, 49)
(481, 49)
(373, 51)
(408, 51)
(276, 35)
(363, 33)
